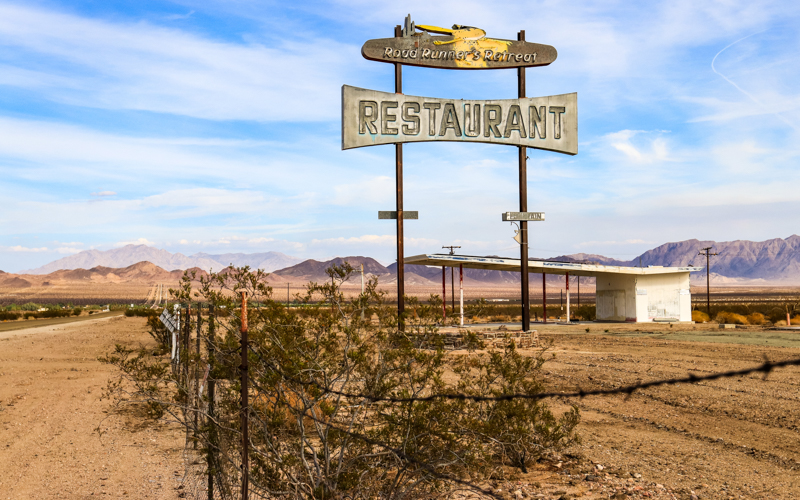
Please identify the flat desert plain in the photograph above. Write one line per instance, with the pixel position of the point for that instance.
(729, 438)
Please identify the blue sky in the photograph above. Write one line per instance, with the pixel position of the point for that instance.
(215, 126)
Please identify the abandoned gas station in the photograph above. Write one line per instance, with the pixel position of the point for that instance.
(549, 123)
(634, 294)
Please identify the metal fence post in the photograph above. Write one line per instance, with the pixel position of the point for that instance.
(212, 430)
(197, 378)
(244, 404)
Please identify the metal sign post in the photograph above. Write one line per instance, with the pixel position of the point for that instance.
(398, 157)
(371, 118)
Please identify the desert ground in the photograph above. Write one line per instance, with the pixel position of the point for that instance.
(730, 438)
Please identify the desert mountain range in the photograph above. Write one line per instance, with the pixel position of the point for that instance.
(132, 254)
(739, 262)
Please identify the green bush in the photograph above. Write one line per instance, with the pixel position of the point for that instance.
(77, 311)
(142, 313)
(308, 440)
(8, 316)
(30, 306)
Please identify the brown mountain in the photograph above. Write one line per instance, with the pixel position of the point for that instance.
(775, 260)
(314, 270)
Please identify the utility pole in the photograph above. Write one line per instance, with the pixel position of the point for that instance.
(452, 281)
(705, 251)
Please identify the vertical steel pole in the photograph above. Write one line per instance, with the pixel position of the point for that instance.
(444, 295)
(708, 283)
(567, 297)
(452, 290)
(523, 207)
(212, 425)
(544, 298)
(398, 154)
(461, 291)
(245, 403)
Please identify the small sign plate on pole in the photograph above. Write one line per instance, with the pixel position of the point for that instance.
(169, 321)
(523, 216)
(392, 214)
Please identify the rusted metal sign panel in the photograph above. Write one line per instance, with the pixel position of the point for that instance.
(371, 118)
(462, 47)
(392, 214)
(523, 216)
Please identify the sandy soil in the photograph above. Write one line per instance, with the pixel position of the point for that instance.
(51, 412)
(731, 438)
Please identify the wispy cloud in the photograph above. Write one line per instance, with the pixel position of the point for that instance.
(141, 66)
(18, 248)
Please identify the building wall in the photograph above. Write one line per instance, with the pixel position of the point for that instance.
(667, 296)
(643, 298)
(616, 297)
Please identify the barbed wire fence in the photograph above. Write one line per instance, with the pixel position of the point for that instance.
(206, 380)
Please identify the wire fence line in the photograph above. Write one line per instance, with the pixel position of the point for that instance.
(214, 430)
(766, 368)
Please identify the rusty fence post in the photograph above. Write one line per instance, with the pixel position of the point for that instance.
(197, 378)
(244, 403)
(211, 461)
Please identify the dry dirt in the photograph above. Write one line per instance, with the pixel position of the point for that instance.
(56, 438)
(730, 438)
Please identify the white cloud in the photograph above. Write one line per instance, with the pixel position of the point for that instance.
(19, 248)
(104, 193)
(140, 241)
(140, 66)
(68, 250)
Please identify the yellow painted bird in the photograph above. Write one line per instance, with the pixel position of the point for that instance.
(458, 32)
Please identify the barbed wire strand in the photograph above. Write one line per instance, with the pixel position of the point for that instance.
(391, 449)
(765, 368)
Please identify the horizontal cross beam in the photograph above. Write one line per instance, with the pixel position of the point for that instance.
(391, 214)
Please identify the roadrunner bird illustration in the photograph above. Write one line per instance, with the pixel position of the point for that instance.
(460, 33)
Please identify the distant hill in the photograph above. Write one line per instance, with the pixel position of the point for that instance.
(775, 260)
(132, 254)
(314, 270)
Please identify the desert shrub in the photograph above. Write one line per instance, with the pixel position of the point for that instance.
(30, 315)
(699, 316)
(141, 312)
(730, 318)
(158, 331)
(55, 313)
(8, 316)
(322, 424)
(584, 312)
(77, 311)
(756, 319)
(30, 306)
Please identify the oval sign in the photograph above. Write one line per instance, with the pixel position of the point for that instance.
(467, 48)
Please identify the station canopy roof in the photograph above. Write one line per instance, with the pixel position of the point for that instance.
(539, 266)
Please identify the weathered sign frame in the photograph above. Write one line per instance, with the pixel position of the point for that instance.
(463, 47)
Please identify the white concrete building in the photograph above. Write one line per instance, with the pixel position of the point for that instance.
(635, 294)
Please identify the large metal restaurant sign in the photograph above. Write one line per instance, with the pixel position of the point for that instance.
(372, 118)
